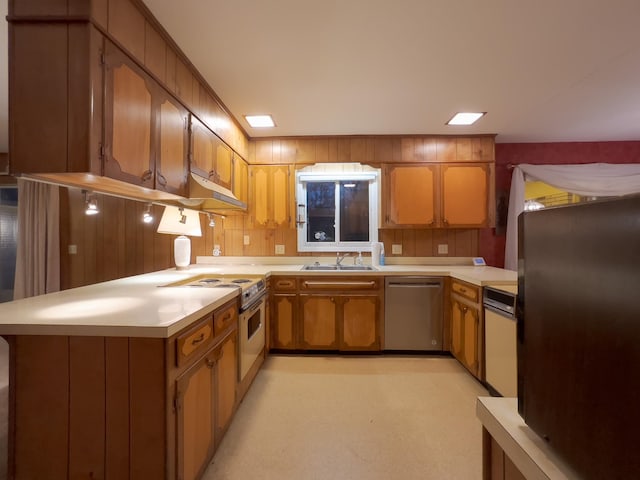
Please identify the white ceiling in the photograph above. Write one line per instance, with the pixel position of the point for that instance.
(544, 71)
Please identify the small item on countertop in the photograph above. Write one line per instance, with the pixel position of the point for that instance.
(381, 253)
(358, 260)
(216, 251)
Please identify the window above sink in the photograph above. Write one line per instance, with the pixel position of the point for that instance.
(337, 207)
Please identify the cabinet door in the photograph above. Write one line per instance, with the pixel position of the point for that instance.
(360, 323)
(240, 179)
(223, 165)
(457, 314)
(318, 322)
(465, 195)
(171, 160)
(465, 322)
(283, 321)
(410, 195)
(195, 417)
(129, 121)
(227, 377)
(270, 193)
(202, 146)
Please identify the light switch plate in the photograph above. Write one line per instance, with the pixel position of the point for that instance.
(443, 249)
(279, 249)
(396, 249)
(246, 240)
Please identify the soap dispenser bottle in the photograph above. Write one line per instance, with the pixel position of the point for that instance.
(359, 260)
(381, 253)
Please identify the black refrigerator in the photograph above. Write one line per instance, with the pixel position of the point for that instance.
(578, 330)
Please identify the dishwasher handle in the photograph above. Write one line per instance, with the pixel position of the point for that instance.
(430, 282)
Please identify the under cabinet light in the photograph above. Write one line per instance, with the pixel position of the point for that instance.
(90, 203)
(260, 121)
(465, 118)
(212, 222)
(147, 216)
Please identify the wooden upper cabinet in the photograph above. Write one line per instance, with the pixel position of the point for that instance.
(410, 195)
(210, 157)
(475, 149)
(270, 192)
(129, 121)
(466, 195)
(145, 128)
(240, 179)
(171, 161)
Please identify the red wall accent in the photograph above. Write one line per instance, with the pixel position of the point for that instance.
(492, 243)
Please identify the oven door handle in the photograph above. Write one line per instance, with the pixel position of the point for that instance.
(254, 306)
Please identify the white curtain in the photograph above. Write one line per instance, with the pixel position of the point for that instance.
(38, 253)
(591, 179)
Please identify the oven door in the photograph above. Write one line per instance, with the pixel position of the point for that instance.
(252, 335)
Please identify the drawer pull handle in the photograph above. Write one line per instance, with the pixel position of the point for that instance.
(196, 341)
(226, 317)
(339, 284)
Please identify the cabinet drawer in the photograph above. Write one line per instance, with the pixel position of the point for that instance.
(224, 317)
(195, 340)
(283, 284)
(340, 284)
(466, 290)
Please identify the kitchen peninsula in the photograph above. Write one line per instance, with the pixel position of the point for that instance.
(100, 385)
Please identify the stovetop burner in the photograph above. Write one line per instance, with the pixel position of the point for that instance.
(252, 288)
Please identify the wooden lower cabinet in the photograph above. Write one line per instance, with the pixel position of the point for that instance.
(126, 408)
(284, 328)
(466, 327)
(496, 465)
(318, 322)
(205, 403)
(195, 411)
(360, 323)
(326, 313)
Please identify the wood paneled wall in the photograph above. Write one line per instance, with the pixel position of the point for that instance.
(113, 244)
(229, 234)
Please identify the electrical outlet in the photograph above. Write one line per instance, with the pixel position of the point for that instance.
(246, 240)
(279, 249)
(443, 249)
(396, 249)
(73, 249)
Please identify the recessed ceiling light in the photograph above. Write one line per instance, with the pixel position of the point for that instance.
(465, 118)
(260, 121)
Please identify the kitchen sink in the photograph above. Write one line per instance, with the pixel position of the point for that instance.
(356, 267)
(338, 267)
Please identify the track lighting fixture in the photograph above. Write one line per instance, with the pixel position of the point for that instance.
(212, 222)
(147, 216)
(90, 203)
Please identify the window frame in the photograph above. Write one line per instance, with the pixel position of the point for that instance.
(303, 178)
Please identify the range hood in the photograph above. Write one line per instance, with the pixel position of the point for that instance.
(211, 196)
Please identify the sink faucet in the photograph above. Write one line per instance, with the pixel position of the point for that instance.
(339, 257)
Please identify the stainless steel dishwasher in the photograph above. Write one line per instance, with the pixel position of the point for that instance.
(413, 313)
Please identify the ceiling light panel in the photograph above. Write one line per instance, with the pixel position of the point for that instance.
(465, 118)
(260, 121)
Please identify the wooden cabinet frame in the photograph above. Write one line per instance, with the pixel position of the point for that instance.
(336, 325)
(110, 404)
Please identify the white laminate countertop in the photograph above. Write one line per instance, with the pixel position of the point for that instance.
(141, 306)
(529, 452)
